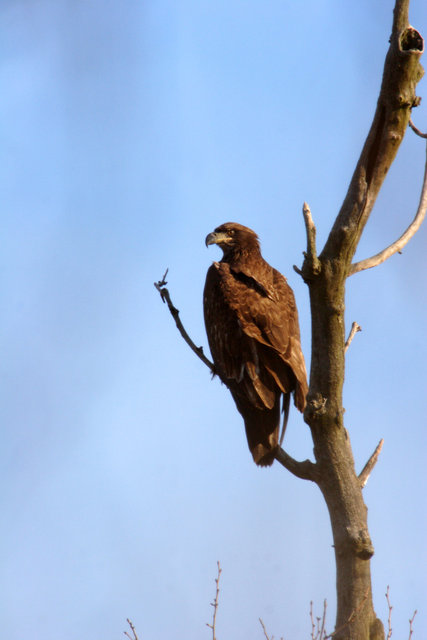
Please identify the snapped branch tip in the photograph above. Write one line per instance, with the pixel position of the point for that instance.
(311, 265)
(367, 469)
(355, 328)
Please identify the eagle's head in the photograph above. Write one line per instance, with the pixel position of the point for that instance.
(234, 239)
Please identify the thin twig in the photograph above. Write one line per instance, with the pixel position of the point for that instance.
(411, 620)
(214, 604)
(265, 631)
(313, 626)
(165, 296)
(390, 609)
(354, 329)
(417, 131)
(135, 637)
(367, 469)
(318, 631)
(397, 246)
(322, 628)
(351, 617)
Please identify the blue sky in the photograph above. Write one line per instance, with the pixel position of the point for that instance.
(129, 131)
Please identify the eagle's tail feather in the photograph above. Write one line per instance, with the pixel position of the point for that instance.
(285, 409)
(262, 429)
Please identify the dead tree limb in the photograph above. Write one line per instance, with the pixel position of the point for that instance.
(398, 245)
(355, 328)
(367, 469)
(305, 470)
(311, 266)
(266, 636)
(417, 131)
(402, 72)
(165, 296)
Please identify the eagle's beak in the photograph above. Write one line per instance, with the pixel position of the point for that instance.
(216, 237)
(210, 239)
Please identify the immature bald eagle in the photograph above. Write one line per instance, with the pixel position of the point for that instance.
(252, 326)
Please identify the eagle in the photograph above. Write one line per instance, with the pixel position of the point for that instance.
(252, 326)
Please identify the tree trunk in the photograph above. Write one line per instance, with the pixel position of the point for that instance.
(335, 473)
(326, 276)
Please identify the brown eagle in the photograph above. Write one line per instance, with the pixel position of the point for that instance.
(252, 326)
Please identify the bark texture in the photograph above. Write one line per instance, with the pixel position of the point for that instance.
(326, 277)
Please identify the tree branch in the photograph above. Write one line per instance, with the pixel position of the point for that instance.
(165, 296)
(417, 131)
(390, 609)
(367, 469)
(311, 266)
(315, 629)
(214, 604)
(354, 329)
(133, 636)
(411, 621)
(305, 470)
(266, 636)
(402, 71)
(397, 246)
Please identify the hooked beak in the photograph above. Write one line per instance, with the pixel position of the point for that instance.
(216, 237)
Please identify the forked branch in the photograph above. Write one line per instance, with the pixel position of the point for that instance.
(411, 621)
(127, 634)
(402, 71)
(390, 609)
(318, 631)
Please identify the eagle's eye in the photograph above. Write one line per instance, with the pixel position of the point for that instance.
(230, 232)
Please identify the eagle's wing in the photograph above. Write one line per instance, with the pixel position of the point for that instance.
(222, 325)
(252, 325)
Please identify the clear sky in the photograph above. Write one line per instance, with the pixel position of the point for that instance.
(130, 130)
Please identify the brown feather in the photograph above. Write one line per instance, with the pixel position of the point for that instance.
(253, 332)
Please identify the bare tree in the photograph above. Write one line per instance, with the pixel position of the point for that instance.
(326, 274)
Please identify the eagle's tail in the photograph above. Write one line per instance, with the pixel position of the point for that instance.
(262, 429)
(285, 409)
